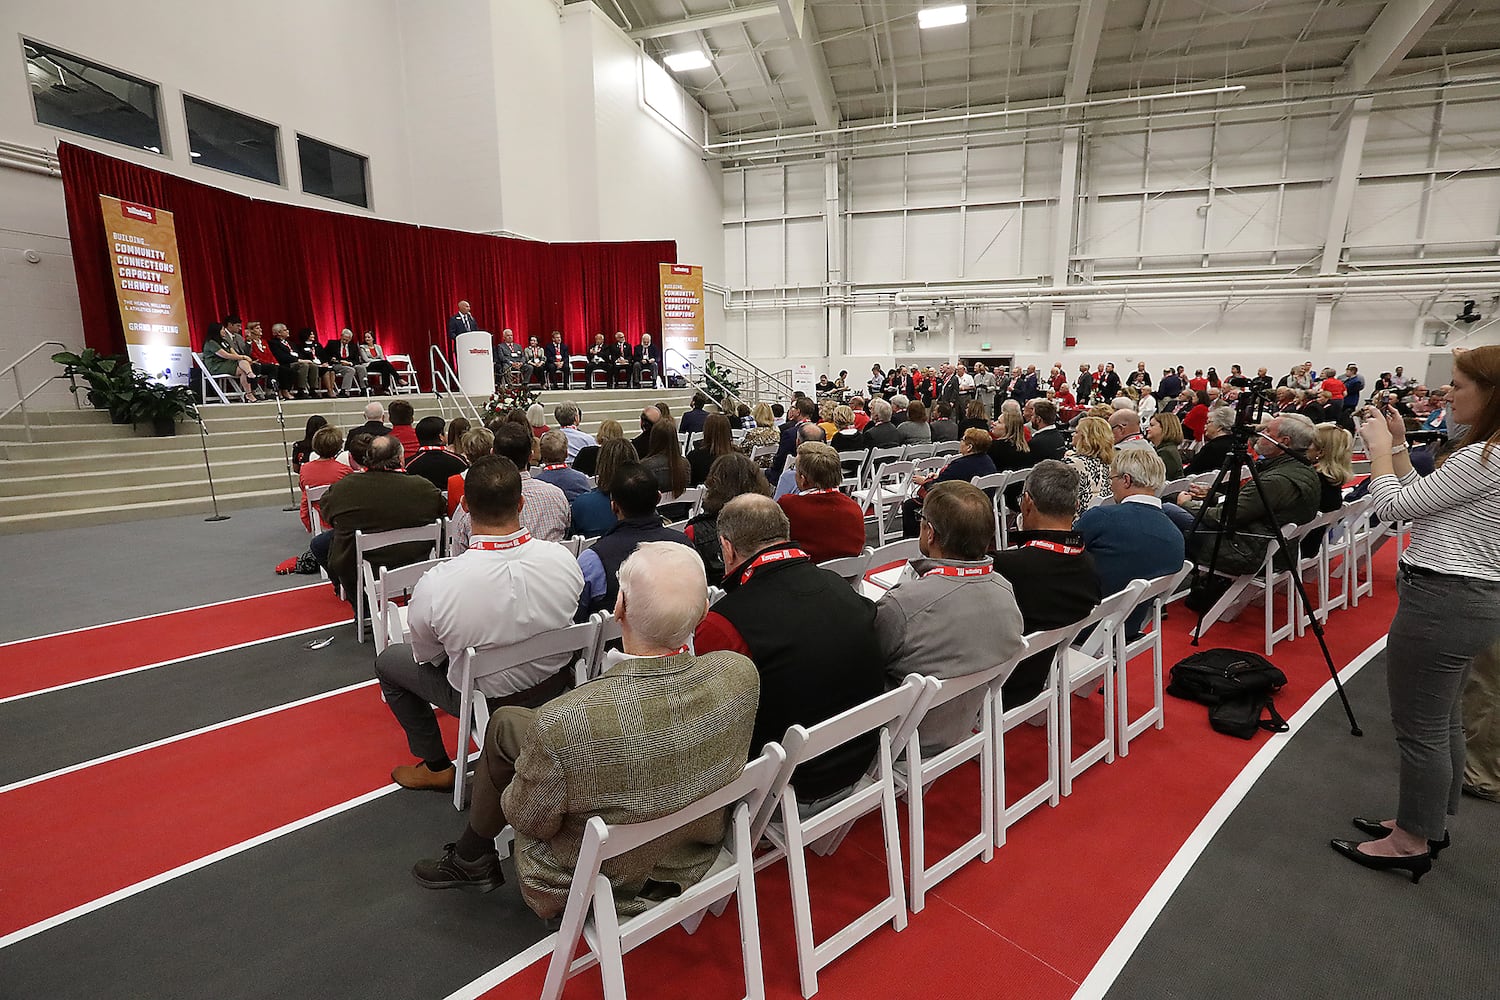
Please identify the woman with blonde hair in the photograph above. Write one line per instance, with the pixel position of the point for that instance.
(1093, 449)
(764, 432)
(847, 436)
(1010, 450)
(826, 409)
(476, 443)
(1331, 455)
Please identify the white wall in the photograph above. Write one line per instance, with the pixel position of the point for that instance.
(488, 115)
(1162, 197)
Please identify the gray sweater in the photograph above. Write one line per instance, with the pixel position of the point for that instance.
(947, 626)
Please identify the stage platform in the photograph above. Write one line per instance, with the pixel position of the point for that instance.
(80, 469)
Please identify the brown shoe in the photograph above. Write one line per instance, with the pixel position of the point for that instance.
(421, 777)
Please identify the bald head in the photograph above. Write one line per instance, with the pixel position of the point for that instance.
(1125, 424)
(374, 411)
(663, 597)
(649, 416)
(811, 432)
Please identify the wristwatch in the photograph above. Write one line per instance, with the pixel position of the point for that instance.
(1398, 449)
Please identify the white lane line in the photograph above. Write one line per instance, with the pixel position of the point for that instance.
(184, 736)
(1107, 969)
(161, 614)
(512, 966)
(178, 659)
(31, 930)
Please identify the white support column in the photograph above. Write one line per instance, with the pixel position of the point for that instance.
(1317, 341)
(837, 336)
(1064, 223)
(1345, 180)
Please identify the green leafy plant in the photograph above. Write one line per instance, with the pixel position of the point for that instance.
(159, 404)
(110, 381)
(721, 385)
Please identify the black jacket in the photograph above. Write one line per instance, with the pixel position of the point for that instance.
(1053, 589)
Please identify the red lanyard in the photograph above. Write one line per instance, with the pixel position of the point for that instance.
(774, 555)
(553, 468)
(1058, 547)
(813, 493)
(430, 447)
(960, 570)
(508, 543)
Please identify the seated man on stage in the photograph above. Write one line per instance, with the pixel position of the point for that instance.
(643, 362)
(347, 362)
(533, 358)
(557, 367)
(653, 734)
(505, 588)
(507, 356)
(622, 363)
(598, 360)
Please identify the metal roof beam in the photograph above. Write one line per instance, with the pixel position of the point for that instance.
(802, 36)
(701, 22)
(1086, 35)
(1400, 25)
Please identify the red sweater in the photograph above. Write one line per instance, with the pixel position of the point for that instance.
(825, 525)
(319, 472)
(407, 436)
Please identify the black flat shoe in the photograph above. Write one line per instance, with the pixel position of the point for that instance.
(1416, 865)
(1375, 829)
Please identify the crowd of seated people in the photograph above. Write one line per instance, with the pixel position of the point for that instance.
(789, 642)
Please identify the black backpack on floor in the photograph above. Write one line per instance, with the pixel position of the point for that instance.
(1237, 687)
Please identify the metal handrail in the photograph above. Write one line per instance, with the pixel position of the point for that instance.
(702, 375)
(22, 395)
(442, 370)
(783, 388)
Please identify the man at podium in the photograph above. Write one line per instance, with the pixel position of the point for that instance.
(462, 322)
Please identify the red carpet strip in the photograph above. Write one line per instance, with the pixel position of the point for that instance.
(139, 816)
(1033, 922)
(38, 664)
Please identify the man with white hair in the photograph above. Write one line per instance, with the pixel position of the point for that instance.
(1132, 538)
(347, 362)
(654, 733)
(374, 424)
(567, 416)
(880, 432)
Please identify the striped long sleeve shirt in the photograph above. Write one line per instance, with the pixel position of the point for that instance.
(1455, 513)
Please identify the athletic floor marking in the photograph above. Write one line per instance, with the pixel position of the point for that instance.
(31, 930)
(160, 614)
(1110, 964)
(183, 736)
(177, 659)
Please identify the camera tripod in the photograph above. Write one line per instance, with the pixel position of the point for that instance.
(1227, 484)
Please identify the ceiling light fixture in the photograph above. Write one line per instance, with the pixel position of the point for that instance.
(942, 17)
(681, 62)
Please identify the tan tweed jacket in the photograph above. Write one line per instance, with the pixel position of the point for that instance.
(644, 739)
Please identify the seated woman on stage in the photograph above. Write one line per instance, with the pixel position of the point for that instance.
(220, 359)
(376, 363)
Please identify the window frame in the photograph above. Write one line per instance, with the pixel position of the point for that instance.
(369, 205)
(280, 182)
(157, 90)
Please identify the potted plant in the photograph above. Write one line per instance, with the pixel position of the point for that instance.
(110, 380)
(160, 405)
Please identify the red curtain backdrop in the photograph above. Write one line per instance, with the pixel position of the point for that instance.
(303, 267)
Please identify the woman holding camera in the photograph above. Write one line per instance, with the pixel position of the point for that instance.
(1448, 582)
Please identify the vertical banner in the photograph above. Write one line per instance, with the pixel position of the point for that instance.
(681, 315)
(148, 288)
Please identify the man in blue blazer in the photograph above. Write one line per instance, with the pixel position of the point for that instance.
(461, 322)
(558, 366)
(1132, 539)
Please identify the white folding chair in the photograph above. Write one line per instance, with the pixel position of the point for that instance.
(791, 833)
(314, 495)
(924, 467)
(920, 772)
(405, 382)
(851, 568)
(1357, 567)
(1002, 509)
(1045, 702)
(916, 451)
(592, 665)
(763, 454)
(1266, 580)
(387, 618)
(223, 386)
(1156, 593)
(372, 541)
(890, 484)
(945, 448)
(476, 664)
(1084, 668)
(1316, 563)
(875, 458)
(887, 561)
(591, 914)
(994, 486)
(1169, 492)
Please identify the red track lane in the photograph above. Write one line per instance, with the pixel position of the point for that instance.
(148, 813)
(1036, 919)
(37, 664)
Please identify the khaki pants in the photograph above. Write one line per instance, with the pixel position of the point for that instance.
(497, 766)
(1481, 709)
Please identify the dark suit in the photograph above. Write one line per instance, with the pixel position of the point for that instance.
(787, 447)
(621, 364)
(1085, 388)
(641, 362)
(1046, 444)
(459, 323)
(374, 428)
(949, 393)
(507, 356)
(557, 367)
(1109, 385)
(596, 359)
(1053, 589)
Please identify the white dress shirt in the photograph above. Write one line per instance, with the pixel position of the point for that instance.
(492, 599)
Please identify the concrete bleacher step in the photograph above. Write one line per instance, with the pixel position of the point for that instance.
(81, 469)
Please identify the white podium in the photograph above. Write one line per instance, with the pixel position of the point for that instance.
(474, 362)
